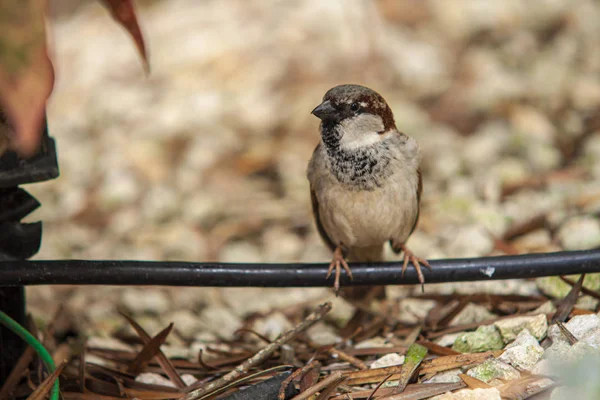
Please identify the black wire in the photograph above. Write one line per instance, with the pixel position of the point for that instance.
(83, 272)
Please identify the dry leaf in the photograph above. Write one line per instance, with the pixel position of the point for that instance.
(124, 13)
(26, 73)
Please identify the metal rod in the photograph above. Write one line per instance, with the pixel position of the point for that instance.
(167, 273)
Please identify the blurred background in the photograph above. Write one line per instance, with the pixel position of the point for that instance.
(205, 158)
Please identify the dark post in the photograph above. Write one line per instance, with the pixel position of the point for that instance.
(19, 241)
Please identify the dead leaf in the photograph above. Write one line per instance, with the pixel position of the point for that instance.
(26, 73)
(44, 388)
(565, 306)
(150, 350)
(450, 362)
(473, 383)
(164, 362)
(123, 12)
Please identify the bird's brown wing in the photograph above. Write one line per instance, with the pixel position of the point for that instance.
(419, 192)
(320, 227)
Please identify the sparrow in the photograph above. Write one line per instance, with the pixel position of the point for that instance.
(365, 180)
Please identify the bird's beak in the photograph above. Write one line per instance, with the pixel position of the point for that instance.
(324, 110)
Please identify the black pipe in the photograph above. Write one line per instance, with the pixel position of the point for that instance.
(80, 272)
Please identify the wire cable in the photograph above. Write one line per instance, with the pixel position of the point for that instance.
(37, 346)
(167, 273)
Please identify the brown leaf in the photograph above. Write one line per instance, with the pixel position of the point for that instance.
(44, 388)
(26, 73)
(164, 362)
(450, 362)
(473, 383)
(412, 392)
(17, 373)
(150, 350)
(565, 306)
(124, 13)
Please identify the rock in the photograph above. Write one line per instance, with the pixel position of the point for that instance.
(240, 252)
(561, 353)
(138, 301)
(543, 367)
(387, 361)
(322, 334)
(219, 320)
(376, 341)
(470, 394)
(273, 325)
(546, 308)
(413, 310)
(509, 328)
(449, 376)
(185, 323)
(160, 204)
(470, 241)
(448, 339)
(491, 370)
(586, 328)
(485, 338)
(472, 313)
(580, 233)
(341, 312)
(152, 378)
(524, 352)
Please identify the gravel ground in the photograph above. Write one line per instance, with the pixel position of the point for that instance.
(205, 159)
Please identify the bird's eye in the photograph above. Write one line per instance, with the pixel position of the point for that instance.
(355, 107)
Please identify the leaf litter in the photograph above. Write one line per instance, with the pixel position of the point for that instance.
(294, 366)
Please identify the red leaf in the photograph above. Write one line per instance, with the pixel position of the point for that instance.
(124, 13)
(26, 73)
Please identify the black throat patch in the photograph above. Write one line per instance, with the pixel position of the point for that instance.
(360, 169)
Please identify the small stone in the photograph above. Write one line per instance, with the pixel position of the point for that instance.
(273, 326)
(470, 394)
(448, 339)
(470, 241)
(138, 301)
(220, 321)
(376, 341)
(413, 310)
(561, 353)
(160, 204)
(185, 323)
(524, 352)
(546, 308)
(485, 338)
(152, 378)
(580, 233)
(388, 360)
(543, 367)
(493, 369)
(472, 313)
(509, 328)
(341, 312)
(322, 334)
(450, 376)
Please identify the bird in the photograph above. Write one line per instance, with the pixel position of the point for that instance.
(365, 181)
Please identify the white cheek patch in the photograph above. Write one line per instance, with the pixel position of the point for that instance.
(360, 131)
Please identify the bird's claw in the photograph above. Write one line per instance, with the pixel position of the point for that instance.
(338, 263)
(417, 262)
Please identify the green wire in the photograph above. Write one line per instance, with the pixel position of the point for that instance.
(37, 346)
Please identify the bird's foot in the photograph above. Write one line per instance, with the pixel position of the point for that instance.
(417, 262)
(338, 263)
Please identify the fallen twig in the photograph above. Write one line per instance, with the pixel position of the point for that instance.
(261, 356)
